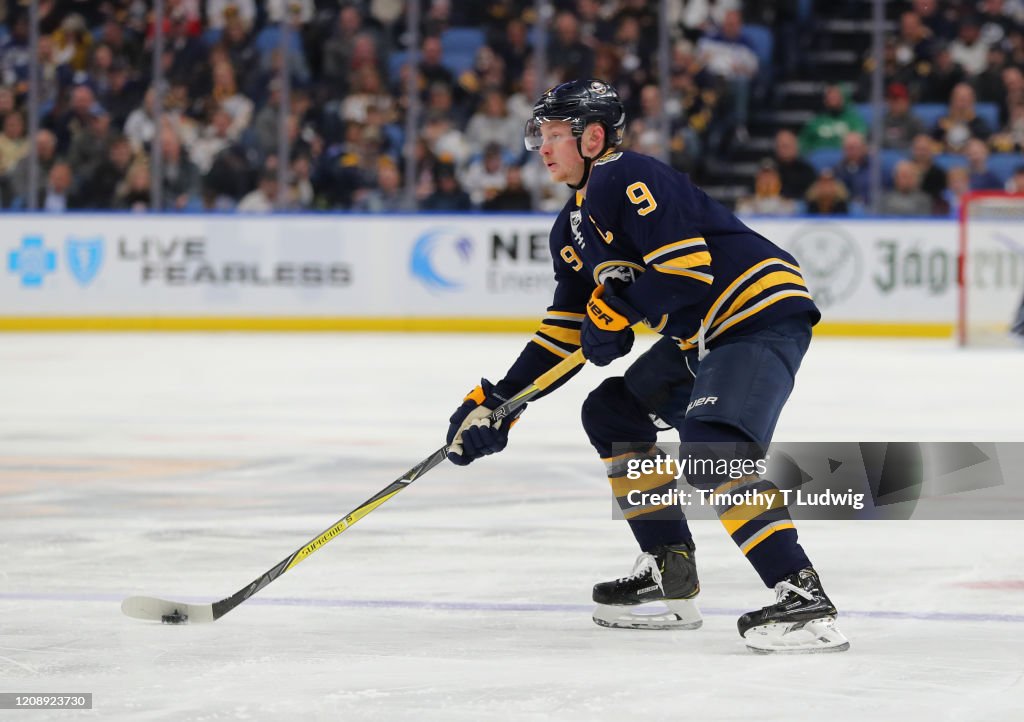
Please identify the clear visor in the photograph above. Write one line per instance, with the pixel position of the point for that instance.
(532, 137)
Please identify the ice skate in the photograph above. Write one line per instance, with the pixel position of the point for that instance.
(802, 620)
(667, 577)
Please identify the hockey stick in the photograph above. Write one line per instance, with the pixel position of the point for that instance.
(161, 610)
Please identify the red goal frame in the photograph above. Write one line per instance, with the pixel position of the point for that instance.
(965, 202)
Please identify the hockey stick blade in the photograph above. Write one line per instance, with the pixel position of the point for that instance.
(152, 609)
(161, 610)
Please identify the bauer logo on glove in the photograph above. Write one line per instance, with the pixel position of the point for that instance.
(470, 431)
(606, 333)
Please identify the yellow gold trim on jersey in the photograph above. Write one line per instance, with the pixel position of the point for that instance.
(690, 260)
(606, 236)
(764, 534)
(760, 306)
(698, 275)
(580, 197)
(658, 327)
(711, 315)
(565, 316)
(675, 246)
(569, 336)
(544, 343)
(606, 264)
(777, 278)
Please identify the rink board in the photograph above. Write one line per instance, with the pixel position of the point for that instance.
(409, 273)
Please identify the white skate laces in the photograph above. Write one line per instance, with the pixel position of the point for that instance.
(784, 589)
(644, 562)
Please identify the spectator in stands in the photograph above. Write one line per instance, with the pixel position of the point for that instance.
(81, 108)
(981, 177)
(98, 190)
(854, 168)
(91, 145)
(838, 120)
(56, 196)
(180, 175)
(969, 50)
(795, 173)
(367, 91)
(995, 19)
(906, 197)
(932, 178)
(731, 58)
(133, 195)
(827, 196)
(297, 12)
(1015, 183)
(900, 125)
(432, 68)
(1013, 92)
(514, 196)
(46, 152)
(988, 84)
(915, 43)
(7, 102)
(566, 49)
(448, 196)
(958, 182)
(122, 95)
(767, 199)
(961, 123)
(236, 42)
(140, 127)
(219, 11)
(940, 78)
(1011, 138)
(301, 194)
(214, 137)
(514, 47)
(493, 124)
(13, 143)
(225, 93)
(485, 176)
(388, 196)
(336, 53)
(444, 139)
(263, 197)
(935, 19)
(188, 52)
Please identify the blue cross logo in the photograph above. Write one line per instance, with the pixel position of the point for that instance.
(32, 261)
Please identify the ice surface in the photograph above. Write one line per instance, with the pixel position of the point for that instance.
(184, 466)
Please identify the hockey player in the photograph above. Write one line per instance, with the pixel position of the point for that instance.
(639, 242)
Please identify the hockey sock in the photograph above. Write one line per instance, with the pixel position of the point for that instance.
(621, 430)
(647, 501)
(749, 507)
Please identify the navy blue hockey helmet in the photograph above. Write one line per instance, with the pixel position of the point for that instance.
(579, 103)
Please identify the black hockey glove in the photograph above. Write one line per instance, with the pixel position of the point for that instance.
(470, 434)
(606, 334)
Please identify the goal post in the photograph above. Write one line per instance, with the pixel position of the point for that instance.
(991, 267)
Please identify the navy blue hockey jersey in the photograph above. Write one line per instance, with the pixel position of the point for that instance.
(694, 270)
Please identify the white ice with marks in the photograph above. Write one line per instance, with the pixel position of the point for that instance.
(186, 465)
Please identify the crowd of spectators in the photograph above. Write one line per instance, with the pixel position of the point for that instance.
(950, 57)
(221, 102)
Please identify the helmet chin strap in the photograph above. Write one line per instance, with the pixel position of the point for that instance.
(587, 162)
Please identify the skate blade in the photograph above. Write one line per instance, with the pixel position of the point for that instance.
(667, 614)
(817, 636)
